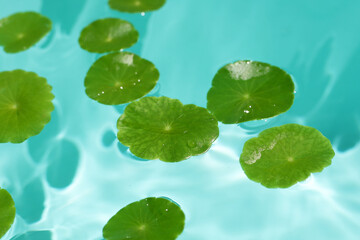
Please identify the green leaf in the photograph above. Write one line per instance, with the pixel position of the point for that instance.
(150, 218)
(136, 6)
(107, 35)
(248, 90)
(282, 156)
(119, 78)
(20, 31)
(7, 211)
(25, 105)
(163, 128)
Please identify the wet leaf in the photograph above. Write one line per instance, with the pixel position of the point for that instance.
(282, 156)
(20, 31)
(119, 78)
(249, 90)
(150, 218)
(163, 128)
(107, 35)
(25, 105)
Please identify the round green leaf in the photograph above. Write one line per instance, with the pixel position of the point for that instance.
(20, 31)
(248, 90)
(25, 105)
(7, 211)
(119, 78)
(107, 35)
(135, 6)
(150, 218)
(163, 128)
(282, 156)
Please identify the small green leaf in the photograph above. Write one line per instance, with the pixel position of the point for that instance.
(282, 156)
(7, 211)
(248, 90)
(119, 78)
(25, 105)
(150, 218)
(163, 128)
(20, 31)
(107, 35)
(136, 6)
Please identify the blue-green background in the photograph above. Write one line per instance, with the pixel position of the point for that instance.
(69, 180)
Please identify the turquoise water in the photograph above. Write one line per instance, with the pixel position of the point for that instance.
(69, 180)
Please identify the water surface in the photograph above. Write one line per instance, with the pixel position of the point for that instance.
(69, 180)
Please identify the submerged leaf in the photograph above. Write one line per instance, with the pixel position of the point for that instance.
(282, 156)
(150, 218)
(7, 211)
(163, 128)
(107, 35)
(119, 78)
(135, 6)
(20, 31)
(249, 90)
(25, 105)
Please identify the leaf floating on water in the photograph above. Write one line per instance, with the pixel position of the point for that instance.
(20, 31)
(150, 218)
(25, 105)
(282, 156)
(7, 211)
(163, 128)
(136, 6)
(249, 90)
(107, 35)
(119, 78)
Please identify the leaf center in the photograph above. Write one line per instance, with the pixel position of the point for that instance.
(142, 227)
(246, 96)
(167, 128)
(20, 36)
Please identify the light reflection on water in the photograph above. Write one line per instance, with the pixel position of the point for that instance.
(70, 179)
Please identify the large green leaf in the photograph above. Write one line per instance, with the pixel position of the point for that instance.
(248, 90)
(20, 31)
(7, 211)
(119, 78)
(163, 128)
(147, 219)
(107, 35)
(25, 105)
(134, 6)
(282, 156)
